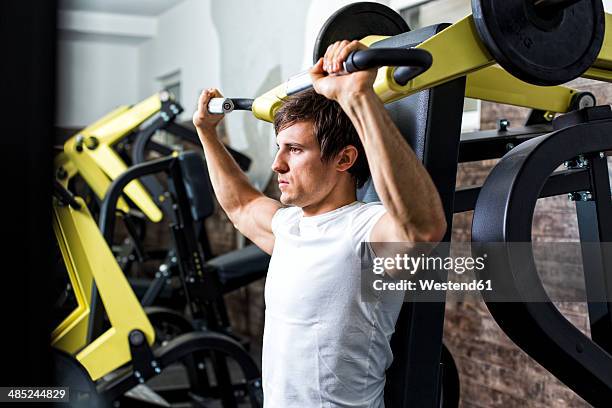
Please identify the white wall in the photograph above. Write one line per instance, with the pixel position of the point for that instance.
(186, 41)
(241, 47)
(93, 78)
(447, 11)
(260, 45)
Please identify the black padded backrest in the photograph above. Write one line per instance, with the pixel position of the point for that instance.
(409, 114)
(197, 185)
(430, 121)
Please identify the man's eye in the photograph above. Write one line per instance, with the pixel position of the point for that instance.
(294, 150)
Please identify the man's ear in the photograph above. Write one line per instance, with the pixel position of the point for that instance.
(346, 158)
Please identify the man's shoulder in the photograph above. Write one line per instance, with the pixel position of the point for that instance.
(367, 210)
(363, 219)
(285, 215)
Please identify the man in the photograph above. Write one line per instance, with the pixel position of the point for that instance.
(323, 346)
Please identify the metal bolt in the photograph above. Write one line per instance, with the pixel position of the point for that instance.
(61, 173)
(92, 142)
(201, 366)
(157, 370)
(578, 162)
(137, 374)
(509, 146)
(153, 363)
(136, 338)
(163, 267)
(78, 143)
(257, 383)
(164, 96)
(502, 125)
(580, 196)
(602, 155)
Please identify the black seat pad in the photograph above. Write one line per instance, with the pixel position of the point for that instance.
(240, 267)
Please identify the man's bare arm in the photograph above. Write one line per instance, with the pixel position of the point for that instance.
(248, 209)
(414, 208)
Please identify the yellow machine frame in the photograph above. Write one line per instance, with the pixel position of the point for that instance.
(90, 153)
(458, 51)
(88, 259)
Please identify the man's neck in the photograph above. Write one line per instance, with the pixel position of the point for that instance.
(335, 199)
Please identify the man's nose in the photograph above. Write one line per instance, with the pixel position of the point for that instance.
(279, 165)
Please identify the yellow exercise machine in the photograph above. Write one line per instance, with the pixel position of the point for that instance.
(129, 337)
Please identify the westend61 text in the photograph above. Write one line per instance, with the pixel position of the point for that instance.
(430, 284)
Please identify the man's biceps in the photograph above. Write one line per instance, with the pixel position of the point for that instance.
(262, 210)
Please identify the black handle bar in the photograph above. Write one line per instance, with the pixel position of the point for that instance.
(410, 62)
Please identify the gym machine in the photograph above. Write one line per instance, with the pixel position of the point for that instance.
(100, 153)
(539, 45)
(102, 367)
(92, 153)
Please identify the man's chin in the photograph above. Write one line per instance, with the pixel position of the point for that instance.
(286, 199)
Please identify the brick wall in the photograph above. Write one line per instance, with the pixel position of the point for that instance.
(494, 371)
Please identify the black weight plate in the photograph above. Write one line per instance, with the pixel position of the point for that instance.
(541, 49)
(356, 21)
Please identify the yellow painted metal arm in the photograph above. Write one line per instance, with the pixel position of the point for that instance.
(111, 131)
(494, 84)
(98, 163)
(89, 259)
(449, 62)
(71, 334)
(456, 51)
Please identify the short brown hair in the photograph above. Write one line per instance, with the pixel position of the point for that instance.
(332, 128)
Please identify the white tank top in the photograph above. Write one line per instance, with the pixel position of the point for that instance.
(323, 346)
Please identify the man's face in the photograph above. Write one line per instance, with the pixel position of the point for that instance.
(303, 178)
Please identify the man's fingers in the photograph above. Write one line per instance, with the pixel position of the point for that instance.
(317, 69)
(337, 55)
(334, 57)
(345, 51)
(215, 93)
(329, 57)
(205, 96)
